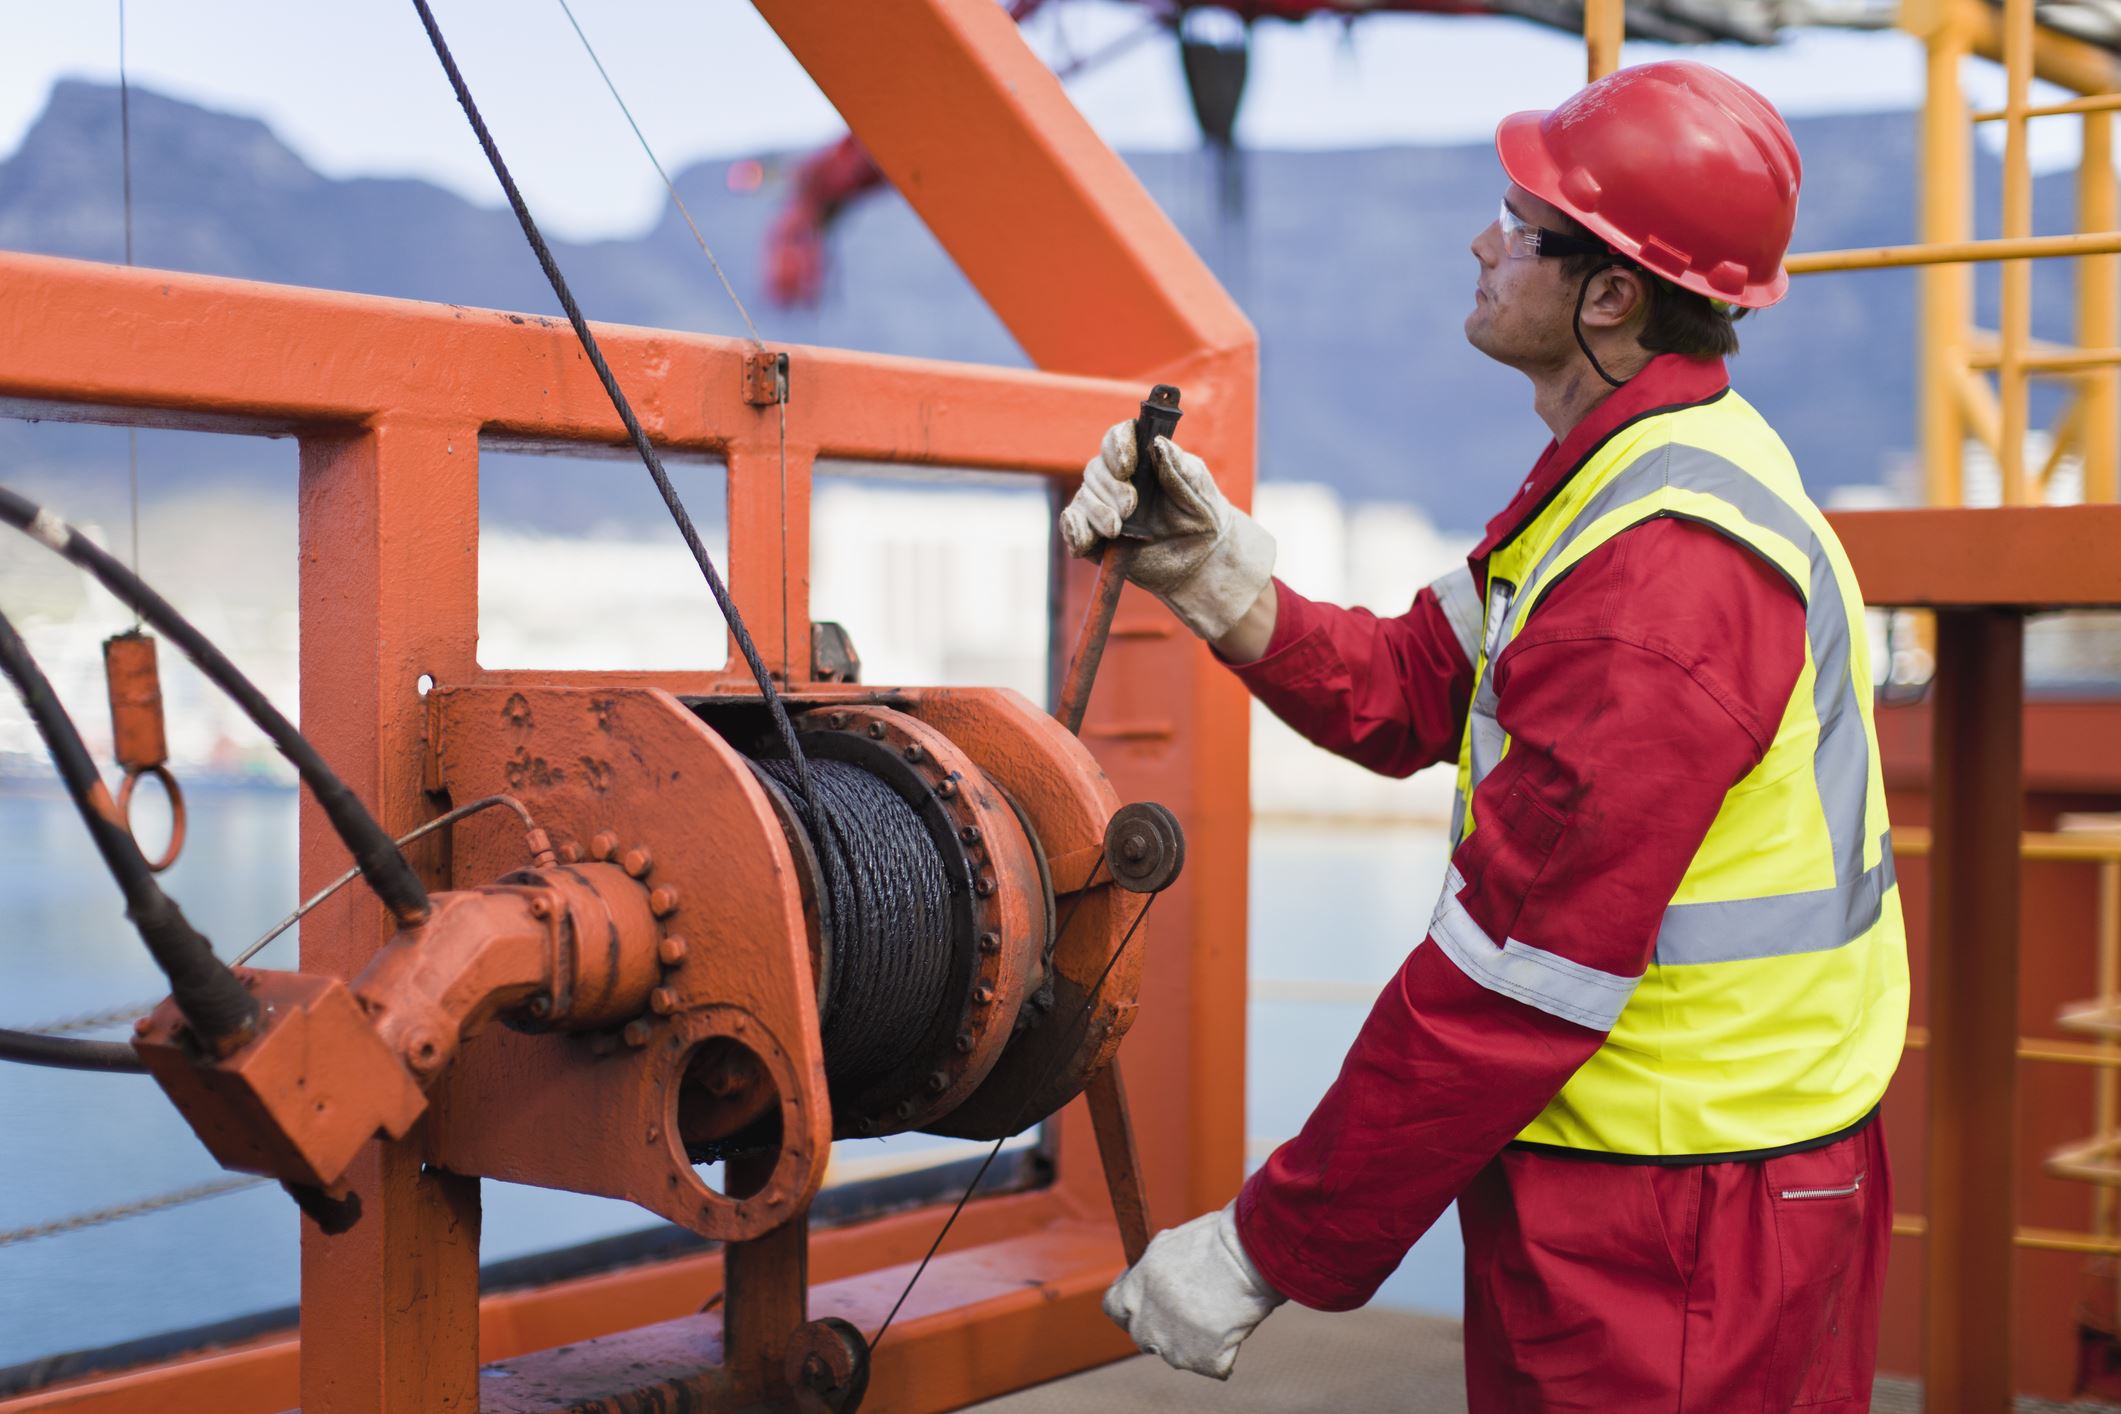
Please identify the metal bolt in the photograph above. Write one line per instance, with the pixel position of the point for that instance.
(1134, 847)
(663, 901)
(946, 788)
(990, 942)
(672, 951)
(663, 1001)
(970, 834)
(867, 1124)
(603, 845)
(816, 1373)
(637, 1032)
(984, 886)
(983, 993)
(570, 853)
(904, 1108)
(541, 907)
(876, 729)
(938, 1082)
(143, 1026)
(964, 1042)
(839, 719)
(654, 1133)
(541, 1006)
(913, 751)
(638, 861)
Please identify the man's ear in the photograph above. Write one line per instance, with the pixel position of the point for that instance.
(1619, 293)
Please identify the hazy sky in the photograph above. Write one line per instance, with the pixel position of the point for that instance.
(353, 87)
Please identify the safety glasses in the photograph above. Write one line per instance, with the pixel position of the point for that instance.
(1521, 238)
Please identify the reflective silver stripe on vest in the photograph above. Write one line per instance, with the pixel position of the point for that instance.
(1840, 760)
(1461, 606)
(1532, 975)
(1780, 925)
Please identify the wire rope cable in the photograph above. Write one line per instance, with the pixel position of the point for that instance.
(125, 171)
(214, 1001)
(378, 858)
(783, 727)
(161, 1202)
(890, 906)
(439, 822)
(1082, 1016)
(668, 185)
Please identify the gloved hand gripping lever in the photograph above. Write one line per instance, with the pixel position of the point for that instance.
(1158, 418)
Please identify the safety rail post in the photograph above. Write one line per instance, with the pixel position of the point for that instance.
(2013, 388)
(1605, 25)
(383, 515)
(1973, 1008)
(1947, 300)
(2098, 395)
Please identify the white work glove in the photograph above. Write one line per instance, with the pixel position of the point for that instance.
(1205, 558)
(1194, 1296)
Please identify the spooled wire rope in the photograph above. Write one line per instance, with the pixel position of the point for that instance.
(378, 858)
(783, 727)
(1089, 1004)
(214, 1001)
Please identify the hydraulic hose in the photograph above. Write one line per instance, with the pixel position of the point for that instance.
(378, 859)
(68, 1052)
(214, 1002)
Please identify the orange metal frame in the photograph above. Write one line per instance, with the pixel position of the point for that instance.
(389, 400)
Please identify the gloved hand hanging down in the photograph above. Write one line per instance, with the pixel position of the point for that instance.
(1205, 558)
(1194, 1295)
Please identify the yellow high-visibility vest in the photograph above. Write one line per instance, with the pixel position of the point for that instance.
(1775, 1008)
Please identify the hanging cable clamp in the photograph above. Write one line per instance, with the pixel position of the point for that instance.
(765, 378)
(137, 736)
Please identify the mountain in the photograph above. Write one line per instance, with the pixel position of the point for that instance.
(1352, 264)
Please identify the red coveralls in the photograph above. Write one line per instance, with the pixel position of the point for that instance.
(1649, 682)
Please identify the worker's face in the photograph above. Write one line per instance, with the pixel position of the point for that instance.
(1523, 303)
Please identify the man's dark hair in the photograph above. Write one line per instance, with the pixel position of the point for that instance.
(1678, 321)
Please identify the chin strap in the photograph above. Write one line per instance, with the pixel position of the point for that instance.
(1582, 291)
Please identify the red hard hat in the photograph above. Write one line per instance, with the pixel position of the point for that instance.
(1677, 166)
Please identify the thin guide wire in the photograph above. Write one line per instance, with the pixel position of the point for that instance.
(668, 185)
(125, 170)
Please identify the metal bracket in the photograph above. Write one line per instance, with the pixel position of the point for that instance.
(765, 378)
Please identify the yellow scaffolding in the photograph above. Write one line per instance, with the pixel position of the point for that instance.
(1958, 401)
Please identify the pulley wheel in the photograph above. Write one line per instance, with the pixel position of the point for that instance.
(1144, 847)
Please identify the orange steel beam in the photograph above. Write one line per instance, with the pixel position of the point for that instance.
(2025, 556)
(1973, 1005)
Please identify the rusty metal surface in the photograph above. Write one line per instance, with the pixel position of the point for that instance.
(999, 953)
(137, 736)
(1064, 793)
(633, 776)
(303, 1097)
(1145, 848)
(1107, 1095)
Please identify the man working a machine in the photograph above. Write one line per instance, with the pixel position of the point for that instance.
(1644, 1040)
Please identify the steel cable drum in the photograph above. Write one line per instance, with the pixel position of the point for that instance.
(928, 915)
(888, 911)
